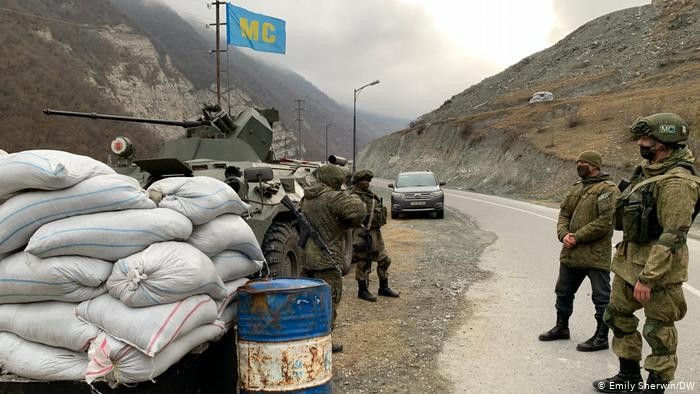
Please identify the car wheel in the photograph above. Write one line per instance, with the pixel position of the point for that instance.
(394, 215)
(440, 214)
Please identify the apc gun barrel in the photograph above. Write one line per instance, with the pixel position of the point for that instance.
(93, 115)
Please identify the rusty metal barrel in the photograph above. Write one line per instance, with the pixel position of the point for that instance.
(284, 336)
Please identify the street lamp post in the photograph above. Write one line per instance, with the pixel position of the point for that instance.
(354, 120)
(327, 124)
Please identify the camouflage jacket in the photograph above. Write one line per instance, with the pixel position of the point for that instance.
(331, 212)
(370, 199)
(587, 212)
(663, 261)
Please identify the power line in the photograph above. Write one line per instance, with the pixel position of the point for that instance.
(90, 27)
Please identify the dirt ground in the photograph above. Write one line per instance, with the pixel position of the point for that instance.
(392, 345)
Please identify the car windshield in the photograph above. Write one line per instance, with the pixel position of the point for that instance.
(413, 180)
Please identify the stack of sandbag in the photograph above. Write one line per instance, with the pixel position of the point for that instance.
(219, 232)
(171, 291)
(87, 232)
(40, 336)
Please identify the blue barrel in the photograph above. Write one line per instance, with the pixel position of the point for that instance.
(284, 336)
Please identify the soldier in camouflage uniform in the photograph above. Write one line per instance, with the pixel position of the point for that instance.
(331, 211)
(585, 229)
(651, 263)
(363, 254)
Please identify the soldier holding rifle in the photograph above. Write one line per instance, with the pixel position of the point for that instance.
(330, 211)
(368, 244)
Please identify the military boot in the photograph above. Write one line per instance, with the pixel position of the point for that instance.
(559, 331)
(598, 341)
(336, 347)
(363, 293)
(655, 384)
(629, 380)
(385, 291)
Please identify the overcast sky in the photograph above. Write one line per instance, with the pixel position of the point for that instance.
(422, 51)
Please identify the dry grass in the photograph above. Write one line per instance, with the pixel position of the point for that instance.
(565, 127)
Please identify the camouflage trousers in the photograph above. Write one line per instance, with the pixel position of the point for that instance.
(335, 280)
(666, 306)
(378, 254)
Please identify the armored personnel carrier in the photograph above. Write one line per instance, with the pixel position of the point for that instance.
(239, 152)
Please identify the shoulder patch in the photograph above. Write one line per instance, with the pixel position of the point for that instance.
(603, 196)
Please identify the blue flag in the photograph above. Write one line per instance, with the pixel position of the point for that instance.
(257, 31)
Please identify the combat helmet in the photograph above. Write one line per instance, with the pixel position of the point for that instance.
(362, 175)
(330, 175)
(667, 128)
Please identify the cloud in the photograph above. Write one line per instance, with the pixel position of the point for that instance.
(340, 46)
(571, 14)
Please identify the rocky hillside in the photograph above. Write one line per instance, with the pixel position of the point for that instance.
(139, 58)
(488, 138)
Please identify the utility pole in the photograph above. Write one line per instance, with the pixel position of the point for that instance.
(218, 51)
(327, 124)
(299, 109)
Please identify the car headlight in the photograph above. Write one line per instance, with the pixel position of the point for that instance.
(437, 193)
(397, 195)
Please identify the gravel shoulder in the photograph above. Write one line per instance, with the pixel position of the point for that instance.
(392, 345)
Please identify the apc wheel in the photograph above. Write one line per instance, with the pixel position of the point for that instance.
(394, 215)
(440, 214)
(281, 250)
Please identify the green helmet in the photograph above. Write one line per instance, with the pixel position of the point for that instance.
(331, 175)
(665, 127)
(362, 175)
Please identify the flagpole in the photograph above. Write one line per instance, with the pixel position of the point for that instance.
(218, 53)
(228, 82)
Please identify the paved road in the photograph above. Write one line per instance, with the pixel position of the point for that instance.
(496, 349)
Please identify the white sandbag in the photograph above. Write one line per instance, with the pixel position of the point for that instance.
(22, 215)
(232, 264)
(40, 362)
(200, 198)
(58, 326)
(46, 170)
(231, 292)
(26, 278)
(228, 316)
(163, 273)
(109, 235)
(226, 232)
(116, 362)
(152, 328)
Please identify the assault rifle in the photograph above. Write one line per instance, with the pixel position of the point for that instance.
(307, 230)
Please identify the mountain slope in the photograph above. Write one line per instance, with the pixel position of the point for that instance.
(603, 75)
(54, 55)
(137, 57)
